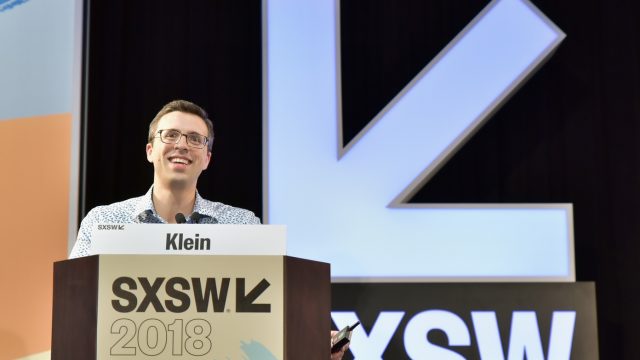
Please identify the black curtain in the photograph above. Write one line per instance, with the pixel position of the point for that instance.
(570, 134)
(143, 54)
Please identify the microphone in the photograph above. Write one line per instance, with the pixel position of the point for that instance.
(180, 219)
(196, 217)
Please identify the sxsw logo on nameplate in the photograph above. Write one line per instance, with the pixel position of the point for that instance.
(167, 309)
(348, 205)
(111, 227)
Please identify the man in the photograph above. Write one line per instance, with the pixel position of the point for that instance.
(179, 147)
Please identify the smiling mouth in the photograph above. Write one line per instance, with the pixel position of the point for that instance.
(177, 160)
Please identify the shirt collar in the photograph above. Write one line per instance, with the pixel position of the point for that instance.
(144, 206)
(201, 207)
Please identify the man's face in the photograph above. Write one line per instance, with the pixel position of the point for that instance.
(178, 164)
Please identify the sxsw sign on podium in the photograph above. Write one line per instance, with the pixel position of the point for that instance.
(168, 310)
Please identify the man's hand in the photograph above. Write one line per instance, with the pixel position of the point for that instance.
(338, 355)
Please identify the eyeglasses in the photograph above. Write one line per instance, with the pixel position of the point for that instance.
(173, 136)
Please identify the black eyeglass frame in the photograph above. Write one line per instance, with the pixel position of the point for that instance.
(189, 142)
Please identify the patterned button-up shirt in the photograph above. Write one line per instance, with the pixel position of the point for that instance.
(141, 210)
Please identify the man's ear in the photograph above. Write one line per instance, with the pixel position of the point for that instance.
(149, 151)
(207, 161)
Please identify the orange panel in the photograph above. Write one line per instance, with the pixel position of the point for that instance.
(34, 213)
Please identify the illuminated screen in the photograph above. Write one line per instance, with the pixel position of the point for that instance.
(348, 206)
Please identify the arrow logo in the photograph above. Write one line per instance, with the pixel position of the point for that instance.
(245, 302)
(350, 208)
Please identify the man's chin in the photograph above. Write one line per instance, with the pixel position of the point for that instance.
(180, 182)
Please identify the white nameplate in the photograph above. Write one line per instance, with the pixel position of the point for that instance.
(189, 239)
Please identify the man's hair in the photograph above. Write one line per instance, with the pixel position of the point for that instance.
(185, 107)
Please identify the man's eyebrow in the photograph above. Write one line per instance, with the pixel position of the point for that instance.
(185, 132)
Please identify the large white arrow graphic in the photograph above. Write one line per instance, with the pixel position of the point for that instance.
(347, 206)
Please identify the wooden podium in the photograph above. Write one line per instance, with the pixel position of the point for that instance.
(191, 307)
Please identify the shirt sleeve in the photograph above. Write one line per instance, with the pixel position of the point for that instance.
(252, 219)
(225, 214)
(82, 247)
(242, 216)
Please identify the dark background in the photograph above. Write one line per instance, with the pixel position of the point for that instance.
(570, 134)
(143, 54)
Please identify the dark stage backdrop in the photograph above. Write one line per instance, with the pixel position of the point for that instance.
(143, 54)
(571, 134)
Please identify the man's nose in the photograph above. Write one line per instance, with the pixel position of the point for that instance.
(182, 143)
